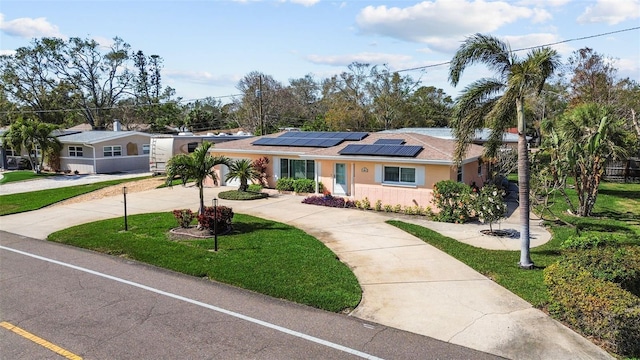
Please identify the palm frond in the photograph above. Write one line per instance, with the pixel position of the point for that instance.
(479, 48)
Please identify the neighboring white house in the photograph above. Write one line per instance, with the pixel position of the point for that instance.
(99, 152)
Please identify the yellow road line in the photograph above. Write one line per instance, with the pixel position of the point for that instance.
(40, 341)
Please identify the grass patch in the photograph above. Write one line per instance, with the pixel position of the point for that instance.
(17, 203)
(242, 195)
(22, 175)
(260, 255)
(617, 210)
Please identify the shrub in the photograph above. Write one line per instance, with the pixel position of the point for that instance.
(284, 184)
(388, 208)
(489, 204)
(328, 200)
(304, 186)
(260, 165)
(598, 308)
(590, 241)
(218, 218)
(255, 188)
(366, 204)
(378, 206)
(620, 265)
(453, 200)
(184, 217)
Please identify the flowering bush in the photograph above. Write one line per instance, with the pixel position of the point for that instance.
(260, 164)
(184, 217)
(328, 200)
(216, 218)
(454, 200)
(490, 205)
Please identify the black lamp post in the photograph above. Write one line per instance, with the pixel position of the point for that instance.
(124, 193)
(215, 224)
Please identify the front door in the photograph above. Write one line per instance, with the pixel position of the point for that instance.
(340, 179)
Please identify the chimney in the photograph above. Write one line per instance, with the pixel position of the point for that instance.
(117, 126)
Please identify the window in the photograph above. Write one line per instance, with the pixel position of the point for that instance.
(10, 152)
(400, 175)
(115, 150)
(145, 149)
(479, 168)
(75, 151)
(459, 174)
(297, 169)
(191, 147)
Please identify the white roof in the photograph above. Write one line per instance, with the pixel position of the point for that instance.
(95, 137)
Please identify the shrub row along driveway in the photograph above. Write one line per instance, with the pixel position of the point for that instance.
(407, 284)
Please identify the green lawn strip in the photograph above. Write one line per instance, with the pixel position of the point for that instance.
(260, 255)
(16, 203)
(22, 175)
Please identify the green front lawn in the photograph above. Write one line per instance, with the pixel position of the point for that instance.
(17, 203)
(21, 175)
(260, 255)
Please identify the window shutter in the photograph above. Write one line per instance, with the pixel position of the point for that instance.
(420, 175)
(276, 168)
(378, 174)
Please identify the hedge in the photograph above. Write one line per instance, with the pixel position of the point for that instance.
(598, 308)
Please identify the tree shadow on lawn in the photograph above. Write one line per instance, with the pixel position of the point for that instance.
(624, 194)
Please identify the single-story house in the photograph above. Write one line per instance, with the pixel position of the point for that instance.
(395, 168)
(99, 152)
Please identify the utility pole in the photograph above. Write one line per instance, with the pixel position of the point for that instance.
(259, 96)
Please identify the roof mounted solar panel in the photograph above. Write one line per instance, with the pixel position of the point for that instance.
(382, 150)
(298, 142)
(389, 142)
(345, 135)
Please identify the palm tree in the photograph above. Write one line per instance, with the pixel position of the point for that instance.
(243, 170)
(592, 135)
(32, 136)
(197, 166)
(493, 103)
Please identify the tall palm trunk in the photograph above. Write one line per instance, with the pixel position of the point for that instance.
(523, 187)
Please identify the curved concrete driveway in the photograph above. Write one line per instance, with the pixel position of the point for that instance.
(407, 284)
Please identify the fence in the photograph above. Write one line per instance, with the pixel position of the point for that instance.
(623, 171)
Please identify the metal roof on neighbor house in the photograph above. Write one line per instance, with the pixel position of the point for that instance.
(447, 133)
(95, 137)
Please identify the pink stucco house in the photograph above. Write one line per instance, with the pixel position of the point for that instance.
(395, 168)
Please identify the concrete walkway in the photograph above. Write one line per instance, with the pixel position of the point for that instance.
(406, 283)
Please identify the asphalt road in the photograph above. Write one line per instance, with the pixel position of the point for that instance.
(102, 307)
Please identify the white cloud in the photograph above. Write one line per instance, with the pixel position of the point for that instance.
(29, 27)
(531, 40)
(368, 58)
(7, 52)
(438, 22)
(202, 77)
(611, 12)
(544, 3)
(305, 2)
(628, 67)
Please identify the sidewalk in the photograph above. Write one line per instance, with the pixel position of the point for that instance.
(406, 283)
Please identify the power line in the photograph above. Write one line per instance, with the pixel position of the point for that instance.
(532, 47)
(397, 71)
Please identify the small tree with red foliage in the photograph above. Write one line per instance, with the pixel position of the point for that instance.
(260, 164)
